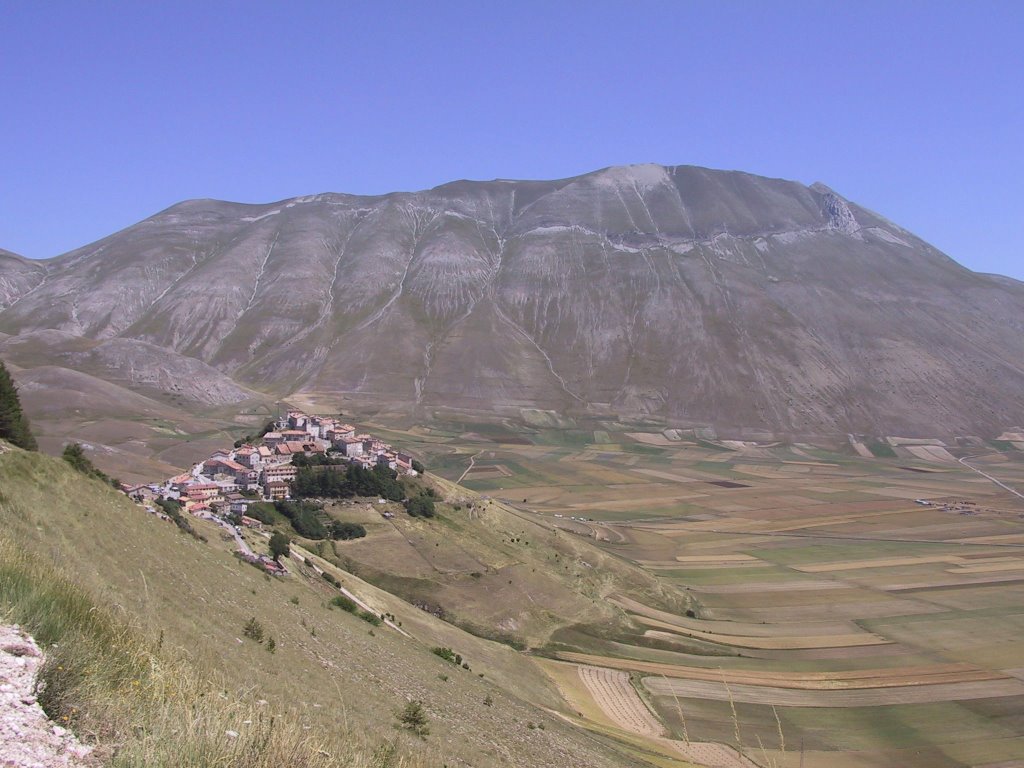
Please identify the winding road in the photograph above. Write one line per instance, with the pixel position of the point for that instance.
(1000, 483)
(472, 463)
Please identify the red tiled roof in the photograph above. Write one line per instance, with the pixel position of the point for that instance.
(234, 466)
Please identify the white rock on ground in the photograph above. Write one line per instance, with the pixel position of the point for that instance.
(28, 738)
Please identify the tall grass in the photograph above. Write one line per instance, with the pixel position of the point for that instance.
(137, 703)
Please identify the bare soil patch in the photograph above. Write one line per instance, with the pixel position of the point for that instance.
(615, 695)
(712, 755)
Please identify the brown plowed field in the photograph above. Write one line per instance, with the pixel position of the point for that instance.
(837, 680)
(862, 697)
(771, 643)
(735, 628)
(712, 755)
(618, 699)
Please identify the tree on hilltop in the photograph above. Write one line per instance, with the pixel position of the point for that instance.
(13, 421)
(280, 546)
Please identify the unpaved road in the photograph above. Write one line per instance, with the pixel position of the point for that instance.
(1000, 483)
(472, 463)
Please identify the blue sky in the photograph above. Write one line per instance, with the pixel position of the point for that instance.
(113, 111)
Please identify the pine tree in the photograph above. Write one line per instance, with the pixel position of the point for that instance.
(414, 717)
(13, 422)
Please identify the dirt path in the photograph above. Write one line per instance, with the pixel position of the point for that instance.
(300, 556)
(472, 463)
(28, 739)
(1000, 483)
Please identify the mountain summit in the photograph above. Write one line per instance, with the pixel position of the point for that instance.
(696, 296)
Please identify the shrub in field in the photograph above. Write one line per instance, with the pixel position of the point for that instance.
(414, 717)
(253, 630)
(345, 603)
(371, 618)
(421, 506)
(346, 531)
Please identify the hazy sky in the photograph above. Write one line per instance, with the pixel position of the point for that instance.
(113, 111)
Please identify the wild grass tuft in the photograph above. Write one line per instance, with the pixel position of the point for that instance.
(138, 705)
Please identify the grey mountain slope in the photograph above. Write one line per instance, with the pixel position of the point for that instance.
(18, 276)
(698, 296)
(135, 364)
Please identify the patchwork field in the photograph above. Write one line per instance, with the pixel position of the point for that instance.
(843, 610)
(751, 604)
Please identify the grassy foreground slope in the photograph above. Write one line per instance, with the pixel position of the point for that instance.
(166, 639)
(495, 571)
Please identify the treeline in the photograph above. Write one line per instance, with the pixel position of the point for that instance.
(307, 519)
(172, 509)
(421, 505)
(345, 483)
(74, 455)
(13, 421)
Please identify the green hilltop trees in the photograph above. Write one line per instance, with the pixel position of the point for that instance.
(280, 546)
(13, 422)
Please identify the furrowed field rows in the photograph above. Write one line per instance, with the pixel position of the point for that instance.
(842, 680)
(863, 697)
(615, 695)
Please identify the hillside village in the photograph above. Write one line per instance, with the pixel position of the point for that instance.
(227, 482)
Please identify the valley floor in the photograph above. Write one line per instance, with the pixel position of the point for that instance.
(843, 611)
(657, 599)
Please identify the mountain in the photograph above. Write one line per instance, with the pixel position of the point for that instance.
(18, 275)
(694, 296)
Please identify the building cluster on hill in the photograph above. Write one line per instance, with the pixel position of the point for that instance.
(228, 481)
